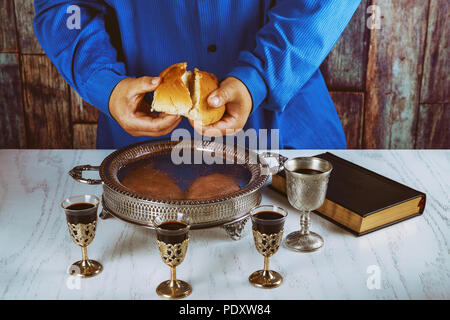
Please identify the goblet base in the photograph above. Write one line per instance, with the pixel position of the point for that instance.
(176, 289)
(85, 268)
(304, 242)
(266, 279)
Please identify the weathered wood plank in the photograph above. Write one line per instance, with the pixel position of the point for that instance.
(12, 134)
(46, 105)
(82, 112)
(84, 136)
(350, 107)
(345, 66)
(393, 74)
(8, 39)
(24, 17)
(433, 127)
(436, 79)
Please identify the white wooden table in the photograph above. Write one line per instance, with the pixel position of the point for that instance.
(410, 258)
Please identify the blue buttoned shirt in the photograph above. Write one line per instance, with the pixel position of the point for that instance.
(275, 47)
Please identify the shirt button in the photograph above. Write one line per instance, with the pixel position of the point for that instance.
(212, 48)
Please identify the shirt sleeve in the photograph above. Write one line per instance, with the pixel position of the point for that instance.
(84, 56)
(290, 47)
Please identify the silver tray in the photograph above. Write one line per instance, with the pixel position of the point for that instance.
(230, 211)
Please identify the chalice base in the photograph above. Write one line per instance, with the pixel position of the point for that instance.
(85, 268)
(266, 279)
(176, 289)
(304, 242)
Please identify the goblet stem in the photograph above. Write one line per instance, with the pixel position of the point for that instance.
(173, 275)
(304, 222)
(84, 254)
(266, 263)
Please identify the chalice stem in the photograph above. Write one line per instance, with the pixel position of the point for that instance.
(173, 275)
(304, 222)
(266, 263)
(84, 254)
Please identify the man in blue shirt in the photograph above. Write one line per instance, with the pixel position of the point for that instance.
(267, 52)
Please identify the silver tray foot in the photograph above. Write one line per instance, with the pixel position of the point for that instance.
(105, 214)
(234, 229)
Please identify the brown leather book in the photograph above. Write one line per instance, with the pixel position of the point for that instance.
(361, 200)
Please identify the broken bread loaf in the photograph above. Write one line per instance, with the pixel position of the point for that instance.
(184, 93)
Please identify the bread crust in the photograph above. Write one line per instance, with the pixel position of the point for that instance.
(172, 95)
(205, 83)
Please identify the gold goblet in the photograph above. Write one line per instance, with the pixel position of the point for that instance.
(173, 238)
(267, 226)
(81, 216)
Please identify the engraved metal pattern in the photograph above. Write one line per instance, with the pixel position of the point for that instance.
(306, 193)
(267, 244)
(130, 207)
(142, 212)
(81, 233)
(173, 254)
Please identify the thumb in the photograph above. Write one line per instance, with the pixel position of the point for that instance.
(221, 96)
(145, 84)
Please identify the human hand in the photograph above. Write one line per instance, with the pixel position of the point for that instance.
(238, 100)
(128, 108)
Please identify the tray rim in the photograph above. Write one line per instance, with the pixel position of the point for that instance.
(257, 184)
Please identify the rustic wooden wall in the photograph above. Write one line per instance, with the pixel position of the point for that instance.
(390, 85)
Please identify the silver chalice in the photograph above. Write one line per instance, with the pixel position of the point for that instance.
(306, 184)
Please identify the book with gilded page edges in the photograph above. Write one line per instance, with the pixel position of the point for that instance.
(361, 200)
